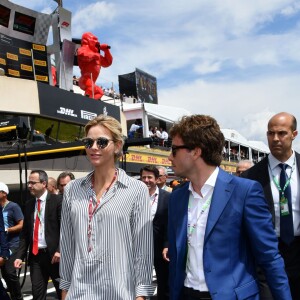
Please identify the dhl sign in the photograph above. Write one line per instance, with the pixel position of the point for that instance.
(147, 159)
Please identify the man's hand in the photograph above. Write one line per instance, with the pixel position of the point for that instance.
(55, 258)
(63, 294)
(165, 254)
(2, 261)
(18, 263)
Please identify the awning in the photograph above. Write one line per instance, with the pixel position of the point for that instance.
(165, 113)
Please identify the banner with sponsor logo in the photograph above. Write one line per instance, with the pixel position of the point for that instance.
(23, 59)
(70, 107)
(147, 159)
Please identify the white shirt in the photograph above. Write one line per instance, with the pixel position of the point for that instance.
(42, 241)
(164, 136)
(158, 134)
(134, 127)
(154, 202)
(274, 170)
(194, 267)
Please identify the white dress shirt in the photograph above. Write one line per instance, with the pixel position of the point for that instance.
(274, 170)
(198, 215)
(42, 241)
(154, 202)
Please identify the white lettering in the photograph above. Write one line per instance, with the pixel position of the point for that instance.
(86, 115)
(66, 111)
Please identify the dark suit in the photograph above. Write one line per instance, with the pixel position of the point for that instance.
(40, 264)
(238, 229)
(160, 223)
(291, 253)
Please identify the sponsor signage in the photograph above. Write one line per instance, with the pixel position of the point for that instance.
(147, 159)
(67, 106)
(16, 59)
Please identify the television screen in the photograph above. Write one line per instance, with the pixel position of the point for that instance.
(24, 23)
(4, 15)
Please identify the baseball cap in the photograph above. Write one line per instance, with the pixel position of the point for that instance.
(4, 187)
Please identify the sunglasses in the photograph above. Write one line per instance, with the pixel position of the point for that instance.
(175, 148)
(102, 142)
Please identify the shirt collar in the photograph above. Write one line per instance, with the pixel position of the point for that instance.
(156, 192)
(122, 179)
(274, 162)
(208, 185)
(43, 197)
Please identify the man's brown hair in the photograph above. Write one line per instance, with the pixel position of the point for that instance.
(204, 132)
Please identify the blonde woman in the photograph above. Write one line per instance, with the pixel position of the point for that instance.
(106, 230)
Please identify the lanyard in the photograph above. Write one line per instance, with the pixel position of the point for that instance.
(92, 209)
(155, 199)
(5, 205)
(39, 211)
(281, 190)
(192, 227)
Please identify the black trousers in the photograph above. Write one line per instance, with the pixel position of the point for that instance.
(162, 274)
(40, 271)
(191, 294)
(291, 257)
(3, 294)
(9, 274)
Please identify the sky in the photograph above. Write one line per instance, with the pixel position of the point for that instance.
(236, 60)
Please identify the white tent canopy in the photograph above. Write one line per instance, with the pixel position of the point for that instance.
(168, 114)
(161, 112)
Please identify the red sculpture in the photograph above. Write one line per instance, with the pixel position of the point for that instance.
(53, 72)
(90, 62)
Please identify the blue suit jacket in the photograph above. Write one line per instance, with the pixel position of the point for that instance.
(239, 231)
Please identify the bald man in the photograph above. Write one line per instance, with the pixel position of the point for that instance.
(242, 166)
(283, 199)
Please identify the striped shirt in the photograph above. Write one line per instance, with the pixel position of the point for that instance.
(119, 266)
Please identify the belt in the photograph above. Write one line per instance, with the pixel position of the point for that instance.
(196, 294)
(43, 250)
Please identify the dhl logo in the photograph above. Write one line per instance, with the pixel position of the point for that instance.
(41, 78)
(12, 56)
(26, 68)
(40, 63)
(38, 47)
(24, 51)
(13, 72)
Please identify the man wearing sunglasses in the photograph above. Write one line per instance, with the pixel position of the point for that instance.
(219, 225)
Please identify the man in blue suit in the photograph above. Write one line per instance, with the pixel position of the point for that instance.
(219, 224)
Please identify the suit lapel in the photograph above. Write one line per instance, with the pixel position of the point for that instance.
(159, 203)
(182, 207)
(47, 211)
(221, 195)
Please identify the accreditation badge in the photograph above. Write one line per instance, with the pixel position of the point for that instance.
(284, 207)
